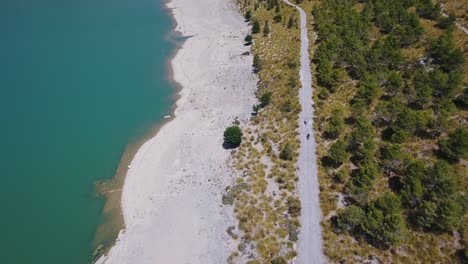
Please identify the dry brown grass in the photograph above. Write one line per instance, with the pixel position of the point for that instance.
(267, 181)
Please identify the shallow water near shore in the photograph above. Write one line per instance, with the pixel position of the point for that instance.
(79, 80)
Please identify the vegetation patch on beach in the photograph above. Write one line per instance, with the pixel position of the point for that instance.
(391, 100)
(264, 195)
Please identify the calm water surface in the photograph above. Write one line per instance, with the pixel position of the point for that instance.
(79, 80)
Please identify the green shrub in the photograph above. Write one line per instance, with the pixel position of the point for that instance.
(248, 39)
(257, 63)
(338, 153)
(456, 146)
(266, 29)
(265, 99)
(256, 27)
(350, 218)
(248, 15)
(449, 215)
(336, 124)
(233, 136)
(287, 152)
(384, 222)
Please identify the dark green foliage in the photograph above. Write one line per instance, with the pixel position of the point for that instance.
(287, 152)
(255, 27)
(227, 200)
(444, 215)
(447, 22)
(363, 130)
(325, 73)
(445, 53)
(432, 194)
(363, 179)
(426, 214)
(449, 215)
(440, 181)
(336, 124)
(257, 63)
(409, 121)
(256, 108)
(266, 29)
(434, 88)
(324, 93)
(399, 136)
(384, 223)
(338, 153)
(394, 84)
(350, 218)
(394, 158)
(367, 92)
(385, 53)
(342, 175)
(440, 83)
(387, 111)
(413, 180)
(291, 22)
(456, 146)
(248, 15)
(366, 150)
(410, 102)
(271, 4)
(410, 32)
(265, 99)
(292, 64)
(427, 9)
(278, 18)
(233, 136)
(462, 99)
(392, 17)
(248, 39)
(286, 107)
(423, 90)
(292, 81)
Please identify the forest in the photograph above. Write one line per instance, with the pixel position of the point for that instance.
(392, 114)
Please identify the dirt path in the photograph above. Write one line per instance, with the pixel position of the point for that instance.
(310, 236)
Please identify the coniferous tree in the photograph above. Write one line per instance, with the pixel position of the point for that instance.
(266, 29)
(257, 63)
(291, 22)
(256, 27)
(248, 15)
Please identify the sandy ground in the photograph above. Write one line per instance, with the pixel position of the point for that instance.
(310, 236)
(171, 199)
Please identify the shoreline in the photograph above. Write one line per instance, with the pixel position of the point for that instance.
(109, 229)
(134, 214)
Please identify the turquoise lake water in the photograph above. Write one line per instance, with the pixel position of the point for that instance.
(79, 80)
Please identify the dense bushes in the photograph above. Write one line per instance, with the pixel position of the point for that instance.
(398, 108)
(233, 136)
(336, 124)
(287, 152)
(456, 146)
(382, 221)
(350, 218)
